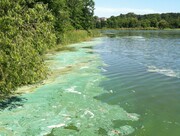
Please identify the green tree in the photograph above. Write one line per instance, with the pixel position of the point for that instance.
(153, 22)
(26, 32)
(133, 22)
(75, 12)
(88, 12)
(62, 22)
(163, 24)
(145, 23)
(28, 29)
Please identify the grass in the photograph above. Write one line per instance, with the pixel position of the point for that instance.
(140, 28)
(74, 37)
(78, 36)
(136, 28)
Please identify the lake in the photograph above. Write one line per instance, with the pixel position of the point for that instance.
(124, 83)
(143, 71)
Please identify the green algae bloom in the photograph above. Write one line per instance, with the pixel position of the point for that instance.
(66, 106)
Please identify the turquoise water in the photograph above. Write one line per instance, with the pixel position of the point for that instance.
(125, 83)
(144, 75)
(66, 105)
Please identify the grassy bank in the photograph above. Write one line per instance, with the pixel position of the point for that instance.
(139, 28)
(78, 36)
(75, 37)
(136, 28)
(172, 29)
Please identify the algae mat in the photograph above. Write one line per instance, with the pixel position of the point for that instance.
(66, 106)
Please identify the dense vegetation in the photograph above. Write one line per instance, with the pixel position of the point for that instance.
(28, 28)
(149, 21)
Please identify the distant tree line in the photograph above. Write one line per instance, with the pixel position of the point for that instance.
(131, 20)
(28, 28)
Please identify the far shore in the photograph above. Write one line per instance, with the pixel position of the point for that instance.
(137, 28)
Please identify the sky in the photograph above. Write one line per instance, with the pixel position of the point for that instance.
(107, 8)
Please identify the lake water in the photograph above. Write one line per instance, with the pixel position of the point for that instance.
(143, 71)
(125, 83)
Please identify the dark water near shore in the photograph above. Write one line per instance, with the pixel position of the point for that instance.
(144, 77)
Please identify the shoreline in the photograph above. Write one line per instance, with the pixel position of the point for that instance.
(156, 29)
(68, 102)
(82, 37)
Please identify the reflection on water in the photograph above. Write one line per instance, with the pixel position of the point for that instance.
(143, 77)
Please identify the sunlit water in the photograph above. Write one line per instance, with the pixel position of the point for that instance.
(125, 83)
(144, 75)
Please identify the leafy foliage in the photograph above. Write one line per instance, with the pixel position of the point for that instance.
(29, 28)
(131, 20)
(71, 15)
(25, 34)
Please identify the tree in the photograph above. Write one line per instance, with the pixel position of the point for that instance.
(26, 33)
(153, 22)
(145, 23)
(133, 22)
(75, 12)
(163, 24)
(88, 12)
(28, 29)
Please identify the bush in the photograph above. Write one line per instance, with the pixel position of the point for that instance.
(25, 35)
(29, 28)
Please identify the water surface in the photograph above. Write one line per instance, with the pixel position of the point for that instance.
(143, 71)
(125, 83)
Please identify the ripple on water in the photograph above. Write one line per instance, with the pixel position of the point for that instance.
(164, 71)
(144, 78)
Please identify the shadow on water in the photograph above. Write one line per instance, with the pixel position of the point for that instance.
(111, 35)
(90, 52)
(12, 103)
(66, 48)
(163, 34)
(88, 47)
